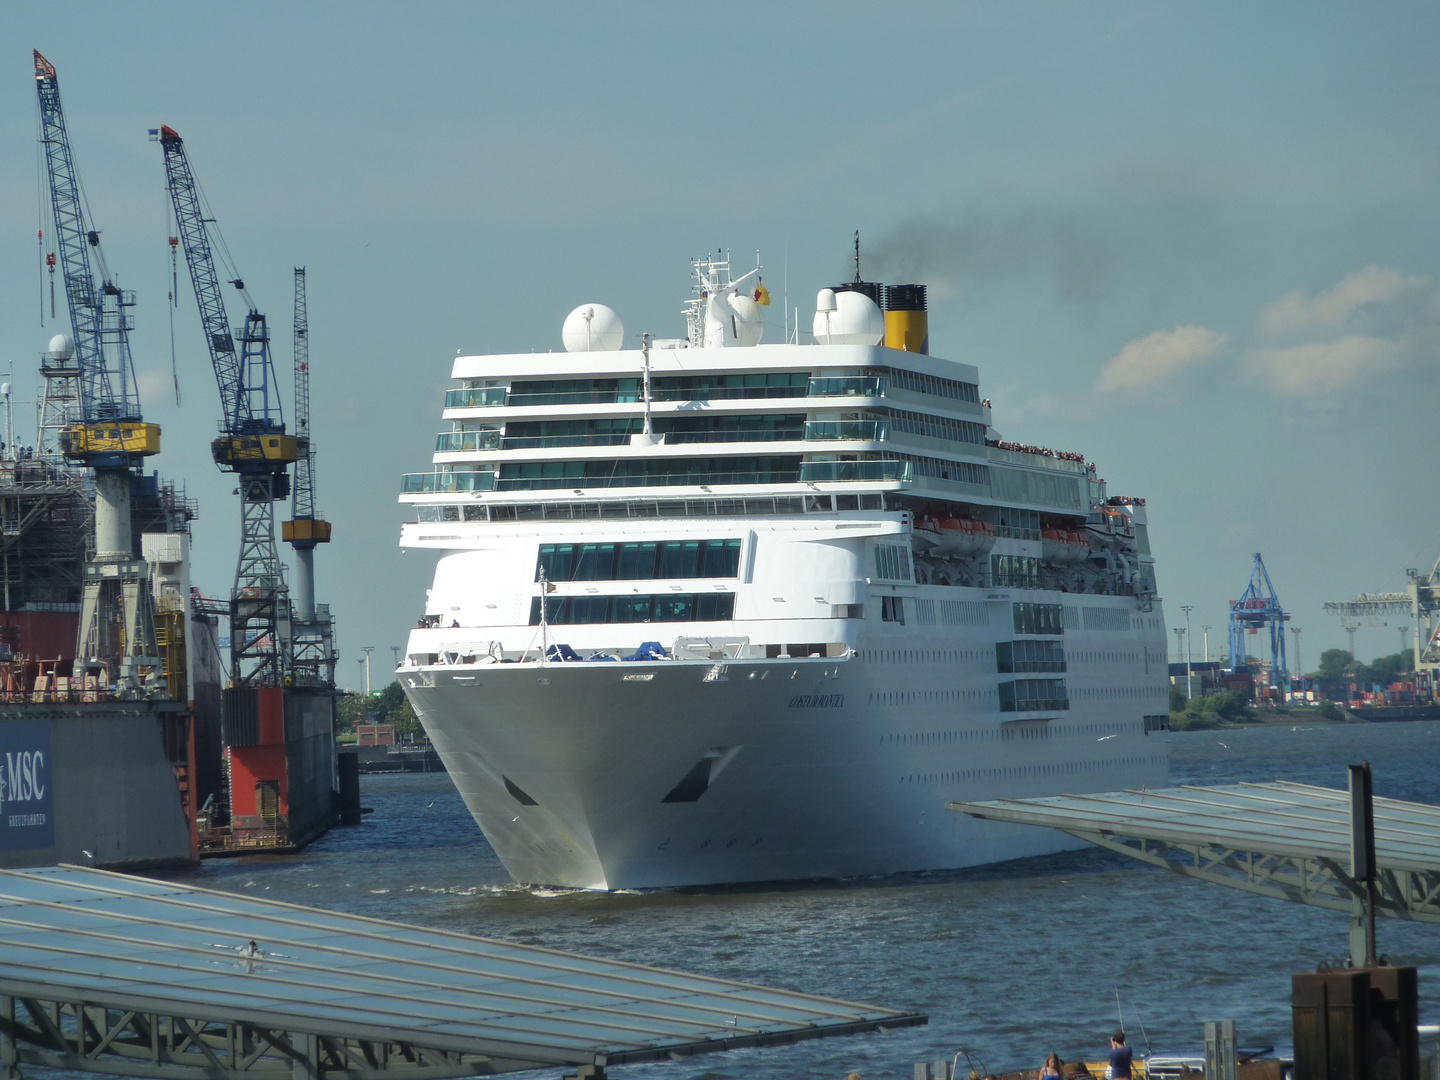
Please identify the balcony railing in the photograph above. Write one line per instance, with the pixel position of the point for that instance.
(421, 483)
(848, 386)
(724, 393)
(451, 441)
(845, 471)
(474, 397)
(540, 442)
(539, 483)
(860, 430)
(790, 434)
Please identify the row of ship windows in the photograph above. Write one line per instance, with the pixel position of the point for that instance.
(662, 607)
(639, 561)
(1113, 693)
(651, 508)
(929, 697)
(1008, 733)
(1021, 772)
(923, 656)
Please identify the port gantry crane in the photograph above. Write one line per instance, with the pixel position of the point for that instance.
(102, 427)
(1420, 601)
(312, 630)
(252, 444)
(1258, 607)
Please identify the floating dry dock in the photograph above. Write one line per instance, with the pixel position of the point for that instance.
(105, 972)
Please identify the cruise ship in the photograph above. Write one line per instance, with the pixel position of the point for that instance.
(714, 610)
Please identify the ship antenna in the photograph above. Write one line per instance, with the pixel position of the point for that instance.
(857, 256)
(645, 348)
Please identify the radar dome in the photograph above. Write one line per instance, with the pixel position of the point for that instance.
(855, 319)
(593, 328)
(749, 319)
(61, 347)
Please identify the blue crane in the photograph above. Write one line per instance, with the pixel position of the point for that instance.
(1259, 608)
(105, 429)
(252, 444)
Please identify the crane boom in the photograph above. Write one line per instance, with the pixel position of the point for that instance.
(252, 443)
(195, 239)
(99, 317)
(104, 430)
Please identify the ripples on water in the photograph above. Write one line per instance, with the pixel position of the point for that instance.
(1012, 961)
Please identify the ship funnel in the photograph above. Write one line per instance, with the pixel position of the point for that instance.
(907, 323)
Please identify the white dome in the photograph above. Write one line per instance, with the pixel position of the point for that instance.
(593, 328)
(61, 347)
(749, 319)
(856, 320)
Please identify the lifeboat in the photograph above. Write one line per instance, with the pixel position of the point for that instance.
(1063, 547)
(964, 537)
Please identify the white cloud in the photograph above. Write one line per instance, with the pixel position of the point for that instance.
(1372, 295)
(1150, 362)
(1372, 323)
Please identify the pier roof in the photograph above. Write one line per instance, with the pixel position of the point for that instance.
(108, 972)
(1280, 839)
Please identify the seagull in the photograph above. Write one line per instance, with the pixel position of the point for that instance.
(87, 854)
(1219, 743)
(1102, 738)
(428, 805)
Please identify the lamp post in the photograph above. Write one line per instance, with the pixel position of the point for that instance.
(1295, 631)
(395, 652)
(1187, 608)
(1179, 632)
(1205, 630)
(367, 650)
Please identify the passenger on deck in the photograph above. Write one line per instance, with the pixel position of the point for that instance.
(1053, 1069)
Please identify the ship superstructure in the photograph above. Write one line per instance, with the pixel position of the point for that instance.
(712, 610)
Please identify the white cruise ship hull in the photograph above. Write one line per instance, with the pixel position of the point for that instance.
(820, 768)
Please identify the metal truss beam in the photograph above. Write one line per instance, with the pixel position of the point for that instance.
(1319, 882)
(100, 1037)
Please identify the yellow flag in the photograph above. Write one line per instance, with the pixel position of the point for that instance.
(762, 294)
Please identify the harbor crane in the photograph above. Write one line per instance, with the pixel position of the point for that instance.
(252, 444)
(1259, 608)
(312, 629)
(100, 426)
(1420, 601)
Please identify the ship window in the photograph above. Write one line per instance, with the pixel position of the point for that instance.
(637, 562)
(892, 609)
(677, 608)
(596, 562)
(1039, 618)
(669, 607)
(679, 558)
(640, 561)
(631, 609)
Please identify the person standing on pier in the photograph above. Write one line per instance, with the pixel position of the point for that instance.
(1120, 1057)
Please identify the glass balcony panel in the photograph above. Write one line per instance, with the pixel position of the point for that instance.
(475, 397)
(848, 386)
(861, 430)
(422, 483)
(843, 471)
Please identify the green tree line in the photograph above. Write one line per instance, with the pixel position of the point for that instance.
(390, 706)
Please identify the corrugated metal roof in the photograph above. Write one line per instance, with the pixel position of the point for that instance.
(158, 945)
(1278, 818)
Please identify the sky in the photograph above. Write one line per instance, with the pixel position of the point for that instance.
(1197, 242)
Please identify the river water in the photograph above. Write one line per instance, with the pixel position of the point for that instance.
(1009, 961)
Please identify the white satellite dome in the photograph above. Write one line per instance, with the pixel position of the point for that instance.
(749, 319)
(593, 328)
(854, 320)
(61, 347)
